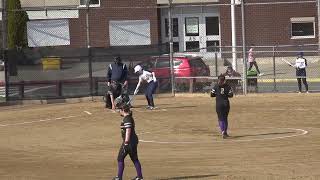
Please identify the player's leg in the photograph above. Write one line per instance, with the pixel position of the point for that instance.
(153, 88)
(304, 80)
(147, 97)
(226, 120)
(256, 66)
(134, 158)
(250, 65)
(299, 84)
(121, 156)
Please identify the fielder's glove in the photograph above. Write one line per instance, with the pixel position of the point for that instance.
(213, 93)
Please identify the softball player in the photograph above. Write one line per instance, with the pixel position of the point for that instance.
(151, 79)
(129, 145)
(222, 92)
(300, 65)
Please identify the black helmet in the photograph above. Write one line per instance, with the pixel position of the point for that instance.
(117, 59)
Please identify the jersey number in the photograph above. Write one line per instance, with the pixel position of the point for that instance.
(222, 91)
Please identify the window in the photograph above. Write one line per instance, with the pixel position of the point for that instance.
(48, 33)
(192, 26)
(175, 30)
(129, 32)
(211, 46)
(93, 3)
(192, 46)
(175, 47)
(303, 27)
(212, 26)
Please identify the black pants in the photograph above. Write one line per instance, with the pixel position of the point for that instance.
(255, 65)
(223, 111)
(301, 75)
(132, 150)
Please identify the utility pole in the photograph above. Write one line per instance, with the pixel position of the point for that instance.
(318, 7)
(4, 46)
(244, 79)
(171, 47)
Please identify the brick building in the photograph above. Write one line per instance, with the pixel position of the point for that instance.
(196, 23)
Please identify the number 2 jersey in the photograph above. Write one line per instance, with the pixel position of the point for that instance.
(222, 94)
(128, 122)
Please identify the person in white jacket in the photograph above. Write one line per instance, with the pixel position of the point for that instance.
(151, 79)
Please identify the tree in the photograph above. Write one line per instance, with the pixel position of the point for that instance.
(17, 25)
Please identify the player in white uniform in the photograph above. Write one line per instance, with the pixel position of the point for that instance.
(300, 65)
(151, 79)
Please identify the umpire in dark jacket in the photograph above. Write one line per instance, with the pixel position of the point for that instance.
(117, 79)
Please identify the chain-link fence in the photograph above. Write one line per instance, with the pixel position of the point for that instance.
(68, 45)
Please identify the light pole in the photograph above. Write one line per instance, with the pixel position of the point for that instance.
(233, 35)
(89, 48)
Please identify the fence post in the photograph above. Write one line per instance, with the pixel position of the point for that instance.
(59, 88)
(21, 89)
(216, 62)
(191, 84)
(274, 69)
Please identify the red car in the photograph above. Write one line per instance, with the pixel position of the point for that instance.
(184, 66)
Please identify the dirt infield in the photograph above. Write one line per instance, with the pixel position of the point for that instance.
(273, 136)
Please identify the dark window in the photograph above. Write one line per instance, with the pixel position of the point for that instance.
(175, 47)
(95, 2)
(192, 26)
(302, 28)
(175, 28)
(197, 63)
(177, 62)
(212, 26)
(212, 46)
(192, 46)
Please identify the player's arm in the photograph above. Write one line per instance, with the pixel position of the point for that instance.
(125, 75)
(230, 93)
(109, 73)
(154, 77)
(128, 134)
(137, 87)
(127, 125)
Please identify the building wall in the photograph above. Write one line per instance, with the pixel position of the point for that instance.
(110, 10)
(266, 24)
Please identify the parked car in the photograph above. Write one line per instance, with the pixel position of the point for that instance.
(184, 66)
(1, 65)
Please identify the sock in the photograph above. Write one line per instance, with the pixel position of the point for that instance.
(120, 169)
(137, 165)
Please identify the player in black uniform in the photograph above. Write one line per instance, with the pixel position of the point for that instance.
(222, 92)
(129, 145)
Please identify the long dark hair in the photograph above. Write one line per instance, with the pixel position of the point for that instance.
(221, 79)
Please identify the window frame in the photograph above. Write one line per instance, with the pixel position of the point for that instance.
(90, 5)
(187, 33)
(303, 20)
